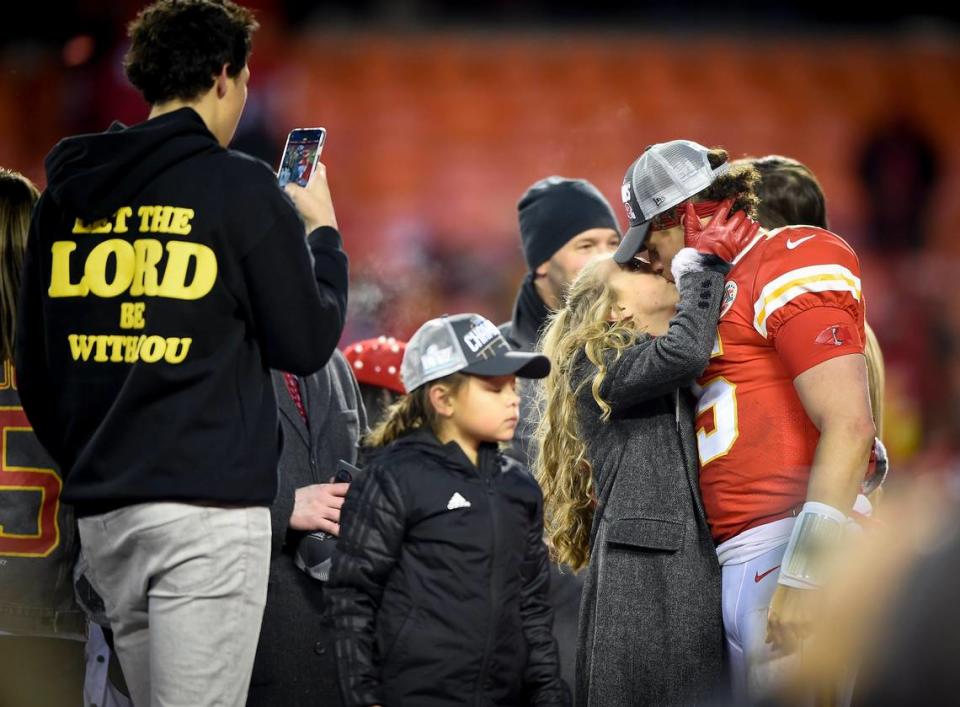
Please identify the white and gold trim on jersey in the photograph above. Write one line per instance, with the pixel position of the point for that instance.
(814, 278)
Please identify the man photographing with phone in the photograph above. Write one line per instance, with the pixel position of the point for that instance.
(164, 276)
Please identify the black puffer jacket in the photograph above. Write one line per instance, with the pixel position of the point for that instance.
(439, 582)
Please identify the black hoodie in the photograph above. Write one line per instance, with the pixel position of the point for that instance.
(438, 588)
(164, 277)
(530, 314)
(523, 332)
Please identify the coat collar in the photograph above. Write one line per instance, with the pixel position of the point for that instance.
(530, 314)
(288, 408)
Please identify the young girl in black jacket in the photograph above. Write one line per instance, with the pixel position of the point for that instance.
(439, 582)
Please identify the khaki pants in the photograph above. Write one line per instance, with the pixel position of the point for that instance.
(184, 588)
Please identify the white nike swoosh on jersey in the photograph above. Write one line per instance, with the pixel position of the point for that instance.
(457, 501)
(793, 244)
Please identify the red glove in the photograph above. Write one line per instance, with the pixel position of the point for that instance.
(722, 236)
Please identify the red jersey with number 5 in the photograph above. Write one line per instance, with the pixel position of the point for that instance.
(792, 301)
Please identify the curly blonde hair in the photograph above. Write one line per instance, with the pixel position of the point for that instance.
(876, 376)
(581, 326)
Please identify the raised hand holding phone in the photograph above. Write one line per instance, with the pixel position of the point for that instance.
(300, 155)
(314, 202)
(304, 178)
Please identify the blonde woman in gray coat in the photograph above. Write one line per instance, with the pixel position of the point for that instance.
(618, 468)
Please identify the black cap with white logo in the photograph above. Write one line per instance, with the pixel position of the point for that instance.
(465, 343)
(665, 175)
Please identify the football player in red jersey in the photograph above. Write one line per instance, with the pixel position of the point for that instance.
(790, 195)
(783, 422)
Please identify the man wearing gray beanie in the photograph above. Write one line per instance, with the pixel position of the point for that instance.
(564, 224)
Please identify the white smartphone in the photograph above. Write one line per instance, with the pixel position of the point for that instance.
(300, 155)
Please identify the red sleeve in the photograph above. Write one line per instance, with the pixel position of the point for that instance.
(817, 335)
(804, 269)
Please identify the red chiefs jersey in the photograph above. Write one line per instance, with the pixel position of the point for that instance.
(793, 300)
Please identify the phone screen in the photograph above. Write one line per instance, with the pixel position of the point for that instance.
(300, 155)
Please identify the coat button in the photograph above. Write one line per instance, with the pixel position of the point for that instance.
(319, 649)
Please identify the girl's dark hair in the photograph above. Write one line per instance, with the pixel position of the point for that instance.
(178, 47)
(790, 194)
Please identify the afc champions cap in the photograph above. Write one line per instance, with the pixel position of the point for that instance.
(665, 175)
(465, 343)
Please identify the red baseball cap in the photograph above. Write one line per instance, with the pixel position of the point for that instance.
(377, 362)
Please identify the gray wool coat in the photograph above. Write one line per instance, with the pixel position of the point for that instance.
(651, 629)
(295, 663)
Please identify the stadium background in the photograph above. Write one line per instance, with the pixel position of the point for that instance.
(440, 114)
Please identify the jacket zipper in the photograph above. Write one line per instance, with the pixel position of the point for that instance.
(478, 692)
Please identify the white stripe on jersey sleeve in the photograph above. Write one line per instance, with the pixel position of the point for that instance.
(814, 278)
